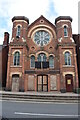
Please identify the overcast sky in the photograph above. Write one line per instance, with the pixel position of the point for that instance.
(34, 9)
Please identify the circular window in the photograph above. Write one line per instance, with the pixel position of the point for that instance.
(41, 21)
(41, 38)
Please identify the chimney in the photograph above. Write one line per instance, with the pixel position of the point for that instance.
(6, 38)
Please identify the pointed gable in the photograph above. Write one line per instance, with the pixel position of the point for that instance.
(41, 22)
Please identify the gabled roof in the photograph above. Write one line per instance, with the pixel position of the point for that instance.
(42, 17)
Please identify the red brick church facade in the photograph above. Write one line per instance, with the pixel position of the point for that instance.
(42, 55)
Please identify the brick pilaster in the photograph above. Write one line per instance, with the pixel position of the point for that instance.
(76, 69)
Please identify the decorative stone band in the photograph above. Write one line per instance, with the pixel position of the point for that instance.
(42, 72)
(19, 73)
(65, 73)
(63, 18)
(20, 18)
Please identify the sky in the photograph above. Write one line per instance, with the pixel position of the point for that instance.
(33, 9)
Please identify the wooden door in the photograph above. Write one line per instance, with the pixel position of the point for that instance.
(31, 84)
(45, 84)
(42, 83)
(39, 83)
(69, 83)
(15, 83)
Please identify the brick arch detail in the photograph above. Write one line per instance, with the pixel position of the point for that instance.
(17, 73)
(18, 25)
(67, 51)
(42, 27)
(32, 55)
(65, 25)
(16, 51)
(71, 73)
(52, 55)
(42, 52)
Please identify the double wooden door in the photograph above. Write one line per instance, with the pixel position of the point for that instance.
(42, 83)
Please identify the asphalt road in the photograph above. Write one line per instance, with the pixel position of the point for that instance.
(12, 109)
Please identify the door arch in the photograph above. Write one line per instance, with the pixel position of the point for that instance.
(69, 82)
(15, 82)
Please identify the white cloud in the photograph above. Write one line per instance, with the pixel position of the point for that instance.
(29, 8)
(68, 8)
(34, 8)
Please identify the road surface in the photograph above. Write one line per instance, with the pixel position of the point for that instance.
(13, 109)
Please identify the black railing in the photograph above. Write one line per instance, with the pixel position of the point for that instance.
(45, 65)
(40, 65)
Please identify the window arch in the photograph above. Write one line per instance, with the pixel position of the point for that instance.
(42, 57)
(67, 58)
(51, 61)
(65, 31)
(17, 58)
(32, 61)
(18, 31)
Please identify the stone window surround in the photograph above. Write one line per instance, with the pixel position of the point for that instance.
(36, 55)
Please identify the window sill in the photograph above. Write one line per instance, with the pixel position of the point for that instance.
(32, 68)
(68, 65)
(65, 36)
(16, 66)
(42, 68)
(51, 68)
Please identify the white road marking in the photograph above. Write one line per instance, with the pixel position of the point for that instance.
(49, 115)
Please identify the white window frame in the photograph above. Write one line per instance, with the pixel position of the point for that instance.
(17, 59)
(18, 31)
(34, 62)
(68, 57)
(49, 62)
(65, 31)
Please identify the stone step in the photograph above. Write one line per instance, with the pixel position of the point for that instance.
(41, 100)
(40, 97)
(48, 95)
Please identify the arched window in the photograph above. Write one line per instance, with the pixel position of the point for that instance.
(51, 61)
(32, 61)
(18, 31)
(67, 58)
(17, 58)
(65, 31)
(42, 57)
